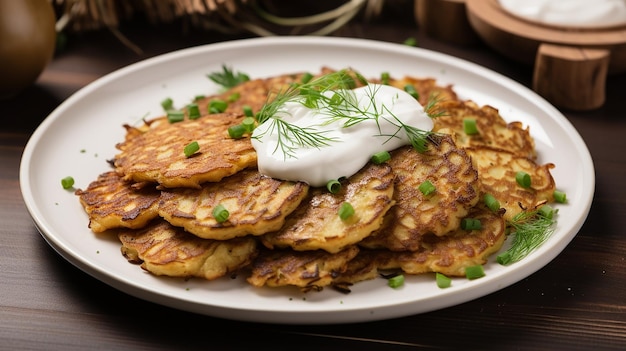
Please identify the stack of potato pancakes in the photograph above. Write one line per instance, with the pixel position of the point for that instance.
(160, 202)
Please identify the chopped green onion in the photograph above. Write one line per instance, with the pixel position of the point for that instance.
(247, 111)
(546, 211)
(167, 104)
(198, 97)
(396, 281)
(217, 106)
(411, 90)
(523, 179)
(346, 211)
(385, 78)
(442, 280)
(306, 78)
(427, 188)
(333, 186)
(474, 272)
(560, 197)
(469, 126)
(174, 116)
(491, 202)
(410, 41)
(470, 224)
(67, 182)
(234, 97)
(237, 131)
(336, 100)
(381, 157)
(191, 148)
(193, 111)
(248, 124)
(220, 213)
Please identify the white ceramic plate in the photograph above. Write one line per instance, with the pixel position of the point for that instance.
(79, 136)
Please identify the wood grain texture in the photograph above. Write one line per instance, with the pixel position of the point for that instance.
(571, 77)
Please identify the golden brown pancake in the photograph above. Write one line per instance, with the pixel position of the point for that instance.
(162, 249)
(315, 224)
(497, 170)
(257, 205)
(157, 155)
(414, 215)
(309, 270)
(493, 131)
(449, 254)
(111, 202)
(453, 253)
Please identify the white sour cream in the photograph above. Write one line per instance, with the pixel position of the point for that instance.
(570, 13)
(351, 147)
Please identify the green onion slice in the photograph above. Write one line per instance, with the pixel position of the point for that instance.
(442, 280)
(167, 104)
(427, 188)
(247, 111)
(470, 224)
(217, 106)
(381, 157)
(333, 186)
(191, 148)
(474, 272)
(559, 197)
(385, 78)
(67, 182)
(491, 202)
(237, 131)
(248, 124)
(174, 116)
(306, 78)
(411, 90)
(396, 281)
(220, 213)
(345, 211)
(469, 126)
(410, 41)
(523, 179)
(193, 110)
(234, 97)
(546, 211)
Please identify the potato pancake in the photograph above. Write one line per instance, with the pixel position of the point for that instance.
(162, 249)
(456, 189)
(157, 155)
(309, 270)
(497, 170)
(493, 131)
(111, 202)
(449, 255)
(315, 224)
(257, 204)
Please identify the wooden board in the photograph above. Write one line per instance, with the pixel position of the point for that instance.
(588, 54)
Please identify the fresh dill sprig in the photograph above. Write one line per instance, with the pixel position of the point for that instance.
(432, 108)
(228, 78)
(530, 230)
(332, 94)
(291, 136)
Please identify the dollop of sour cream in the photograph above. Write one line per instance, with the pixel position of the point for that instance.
(348, 148)
(569, 13)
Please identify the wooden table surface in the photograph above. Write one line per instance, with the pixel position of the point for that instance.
(578, 301)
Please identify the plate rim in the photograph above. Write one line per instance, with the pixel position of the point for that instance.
(261, 313)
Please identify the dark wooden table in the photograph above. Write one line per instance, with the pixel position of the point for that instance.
(578, 301)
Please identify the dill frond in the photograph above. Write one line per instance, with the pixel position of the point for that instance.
(530, 230)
